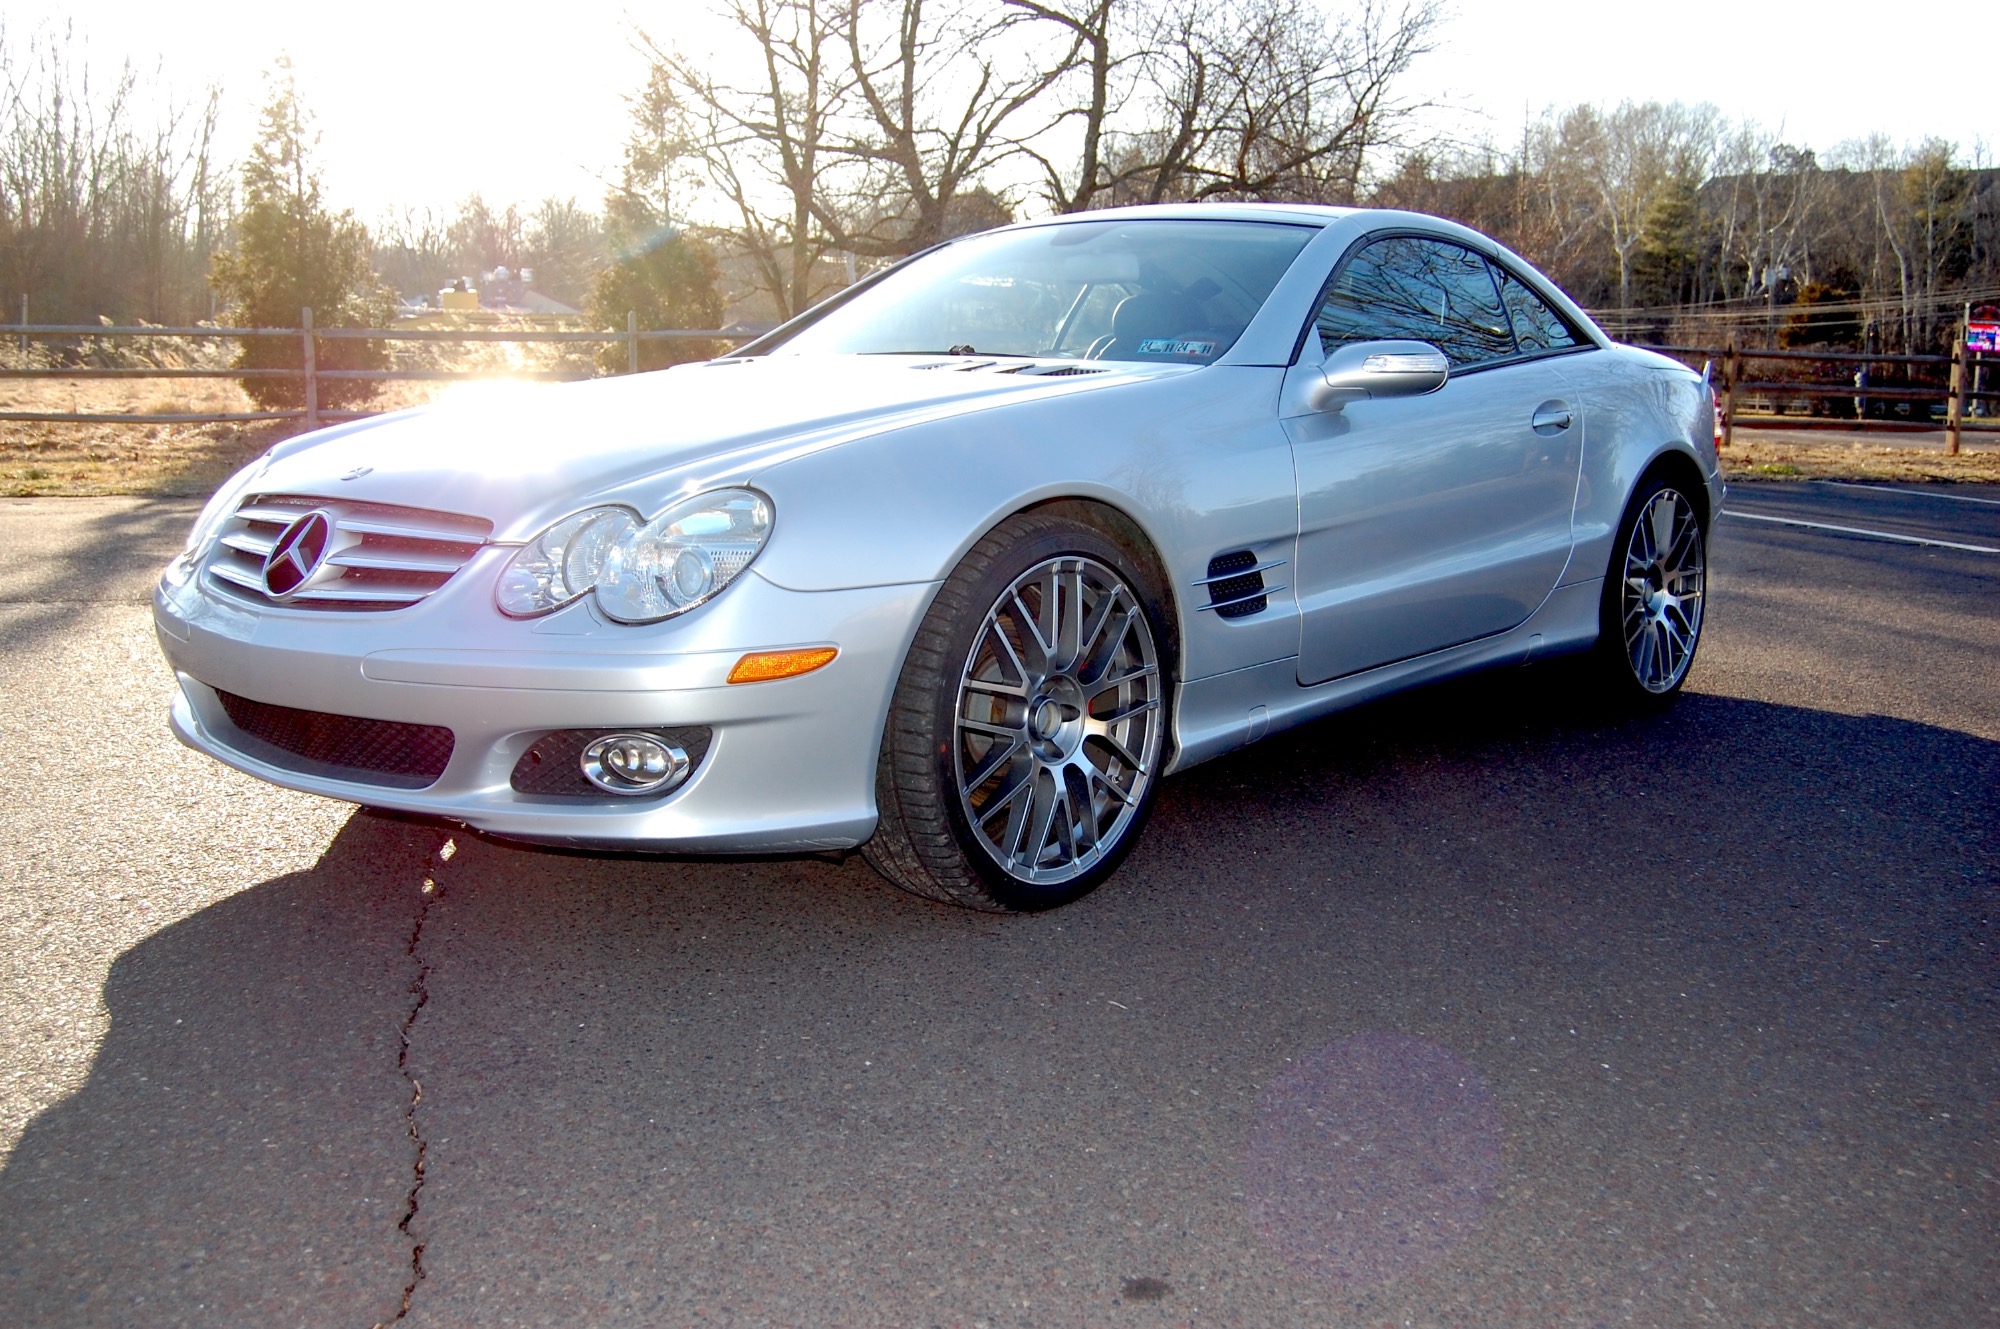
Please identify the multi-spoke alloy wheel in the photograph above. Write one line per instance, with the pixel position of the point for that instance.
(1058, 720)
(1029, 728)
(1658, 579)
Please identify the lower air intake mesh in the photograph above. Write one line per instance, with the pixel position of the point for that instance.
(342, 747)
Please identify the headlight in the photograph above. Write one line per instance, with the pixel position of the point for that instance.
(641, 573)
(562, 562)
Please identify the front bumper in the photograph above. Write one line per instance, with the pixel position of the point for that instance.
(790, 767)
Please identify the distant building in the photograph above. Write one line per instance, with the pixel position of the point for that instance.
(502, 291)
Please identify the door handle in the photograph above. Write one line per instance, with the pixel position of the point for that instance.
(1551, 417)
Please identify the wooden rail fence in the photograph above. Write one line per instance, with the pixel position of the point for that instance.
(309, 337)
(1968, 406)
(1734, 382)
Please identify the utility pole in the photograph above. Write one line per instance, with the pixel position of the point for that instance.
(311, 365)
(1954, 411)
(1730, 372)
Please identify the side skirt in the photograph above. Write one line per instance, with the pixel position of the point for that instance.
(1224, 712)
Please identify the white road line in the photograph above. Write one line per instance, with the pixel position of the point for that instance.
(1914, 493)
(1859, 530)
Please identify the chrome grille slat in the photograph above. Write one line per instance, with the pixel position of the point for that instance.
(365, 556)
(257, 546)
(230, 572)
(381, 556)
(405, 531)
(345, 595)
(282, 516)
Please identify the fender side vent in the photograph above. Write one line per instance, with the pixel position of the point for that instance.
(1236, 586)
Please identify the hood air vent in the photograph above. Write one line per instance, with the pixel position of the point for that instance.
(1032, 369)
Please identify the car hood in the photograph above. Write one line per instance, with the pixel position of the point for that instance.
(520, 454)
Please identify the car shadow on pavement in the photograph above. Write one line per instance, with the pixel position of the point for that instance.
(59, 554)
(90, 551)
(1726, 972)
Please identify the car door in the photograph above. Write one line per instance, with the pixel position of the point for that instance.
(1434, 520)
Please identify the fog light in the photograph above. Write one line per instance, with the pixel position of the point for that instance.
(634, 764)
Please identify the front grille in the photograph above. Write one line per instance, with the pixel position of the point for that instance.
(341, 747)
(379, 555)
(552, 765)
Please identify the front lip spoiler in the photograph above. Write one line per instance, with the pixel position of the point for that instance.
(546, 824)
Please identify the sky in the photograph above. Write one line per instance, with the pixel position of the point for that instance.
(422, 102)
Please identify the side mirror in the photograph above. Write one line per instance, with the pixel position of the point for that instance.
(1379, 369)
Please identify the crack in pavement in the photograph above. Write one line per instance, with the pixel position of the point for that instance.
(420, 993)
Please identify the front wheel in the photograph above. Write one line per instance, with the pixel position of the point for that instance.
(1028, 729)
(1654, 591)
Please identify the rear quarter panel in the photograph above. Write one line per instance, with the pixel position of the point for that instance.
(1638, 407)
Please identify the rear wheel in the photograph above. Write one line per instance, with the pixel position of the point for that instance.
(1654, 593)
(1028, 728)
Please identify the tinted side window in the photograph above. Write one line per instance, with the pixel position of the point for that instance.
(1423, 290)
(1536, 326)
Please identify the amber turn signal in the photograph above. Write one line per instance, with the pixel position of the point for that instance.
(763, 666)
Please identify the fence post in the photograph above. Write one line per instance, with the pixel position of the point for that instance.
(311, 367)
(631, 341)
(1730, 371)
(1954, 410)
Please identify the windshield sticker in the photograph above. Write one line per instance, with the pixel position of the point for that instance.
(1175, 346)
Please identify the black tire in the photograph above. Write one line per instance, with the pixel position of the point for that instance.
(1655, 591)
(1014, 777)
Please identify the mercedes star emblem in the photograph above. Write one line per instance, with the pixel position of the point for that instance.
(293, 560)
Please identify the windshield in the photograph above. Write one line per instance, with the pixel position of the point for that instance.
(1157, 291)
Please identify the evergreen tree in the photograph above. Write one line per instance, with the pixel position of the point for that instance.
(660, 272)
(1670, 243)
(668, 278)
(293, 253)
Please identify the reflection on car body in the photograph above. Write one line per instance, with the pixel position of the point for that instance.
(956, 566)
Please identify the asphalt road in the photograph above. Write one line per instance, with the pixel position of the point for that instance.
(1466, 1009)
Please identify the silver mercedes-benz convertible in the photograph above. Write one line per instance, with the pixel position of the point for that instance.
(957, 565)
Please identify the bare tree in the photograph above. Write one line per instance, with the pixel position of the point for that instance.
(565, 248)
(941, 90)
(1629, 156)
(482, 237)
(765, 145)
(413, 251)
(1923, 223)
(1095, 56)
(99, 213)
(1252, 98)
